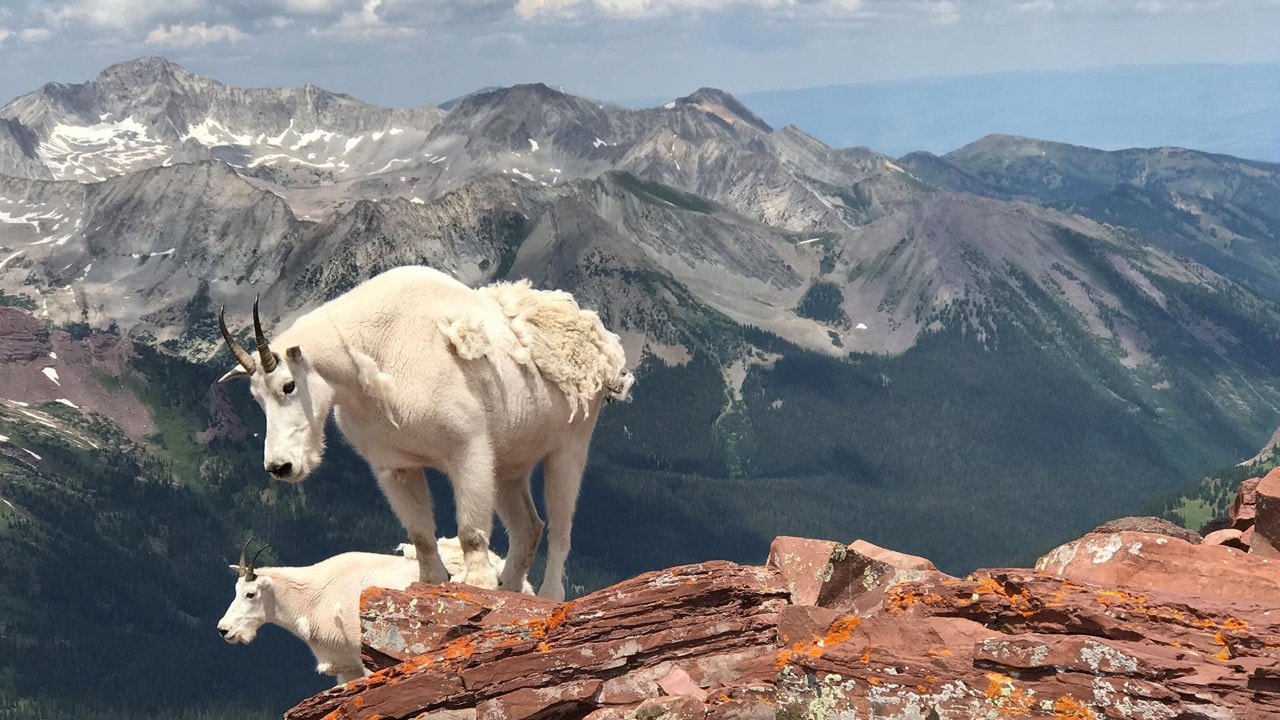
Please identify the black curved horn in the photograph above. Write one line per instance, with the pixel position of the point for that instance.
(242, 356)
(243, 550)
(253, 564)
(264, 349)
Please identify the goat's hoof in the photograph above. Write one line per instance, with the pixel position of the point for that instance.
(484, 581)
(433, 576)
(552, 592)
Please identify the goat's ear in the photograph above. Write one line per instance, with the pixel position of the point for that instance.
(234, 372)
(294, 353)
(235, 569)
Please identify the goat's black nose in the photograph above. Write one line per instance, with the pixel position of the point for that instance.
(280, 469)
(223, 632)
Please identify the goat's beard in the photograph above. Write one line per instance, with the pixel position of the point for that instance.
(241, 637)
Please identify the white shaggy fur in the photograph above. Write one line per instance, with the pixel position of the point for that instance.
(320, 604)
(422, 370)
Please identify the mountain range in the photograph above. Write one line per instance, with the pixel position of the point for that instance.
(971, 356)
(1221, 108)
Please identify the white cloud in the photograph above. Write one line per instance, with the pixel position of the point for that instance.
(311, 7)
(367, 24)
(661, 8)
(945, 12)
(4, 34)
(35, 34)
(124, 14)
(179, 35)
(1034, 6)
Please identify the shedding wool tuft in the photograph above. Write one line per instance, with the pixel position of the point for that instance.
(377, 385)
(567, 345)
(469, 337)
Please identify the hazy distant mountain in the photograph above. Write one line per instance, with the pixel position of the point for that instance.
(1220, 210)
(1215, 108)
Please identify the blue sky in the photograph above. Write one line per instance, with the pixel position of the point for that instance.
(410, 52)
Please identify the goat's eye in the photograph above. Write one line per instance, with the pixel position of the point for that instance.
(250, 595)
(289, 387)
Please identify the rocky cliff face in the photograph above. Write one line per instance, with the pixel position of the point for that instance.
(39, 366)
(1134, 620)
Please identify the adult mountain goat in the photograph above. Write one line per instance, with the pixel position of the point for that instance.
(320, 603)
(482, 384)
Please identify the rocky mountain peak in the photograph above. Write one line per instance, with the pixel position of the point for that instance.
(152, 69)
(724, 106)
(514, 96)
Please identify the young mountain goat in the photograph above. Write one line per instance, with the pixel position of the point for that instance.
(320, 604)
(482, 384)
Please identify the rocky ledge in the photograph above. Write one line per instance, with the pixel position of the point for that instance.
(1130, 621)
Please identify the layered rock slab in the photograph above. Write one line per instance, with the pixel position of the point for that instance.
(716, 619)
(825, 631)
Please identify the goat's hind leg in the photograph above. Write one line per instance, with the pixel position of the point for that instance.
(472, 476)
(410, 499)
(524, 529)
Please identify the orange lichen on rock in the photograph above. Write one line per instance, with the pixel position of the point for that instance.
(1234, 624)
(558, 615)
(413, 663)
(1220, 639)
(1121, 596)
(1008, 698)
(839, 631)
(812, 648)
(462, 647)
(1068, 708)
(900, 599)
(371, 594)
(1021, 601)
(539, 627)
(842, 629)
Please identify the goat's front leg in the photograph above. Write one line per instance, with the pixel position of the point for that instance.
(472, 476)
(410, 499)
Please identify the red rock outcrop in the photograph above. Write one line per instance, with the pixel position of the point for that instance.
(23, 337)
(1158, 562)
(42, 366)
(1244, 509)
(1150, 525)
(224, 421)
(1253, 520)
(825, 631)
(1266, 526)
(1230, 537)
